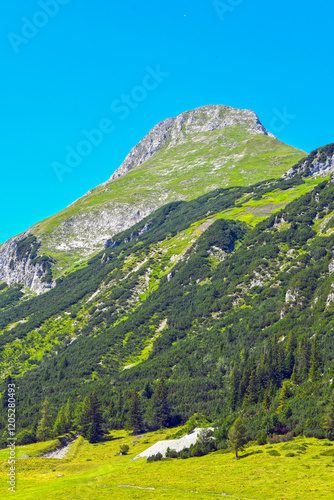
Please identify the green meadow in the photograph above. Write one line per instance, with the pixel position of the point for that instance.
(298, 469)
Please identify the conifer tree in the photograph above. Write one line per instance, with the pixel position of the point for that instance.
(314, 372)
(289, 358)
(252, 390)
(63, 421)
(244, 382)
(118, 412)
(271, 390)
(91, 418)
(304, 358)
(69, 414)
(285, 393)
(60, 423)
(134, 417)
(62, 365)
(234, 387)
(46, 375)
(266, 400)
(45, 424)
(279, 365)
(261, 378)
(294, 376)
(160, 412)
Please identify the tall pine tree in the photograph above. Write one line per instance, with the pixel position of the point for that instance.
(315, 361)
(252, 390)
(160, 412)
(234, 388)
(91, 419)
(134, 417)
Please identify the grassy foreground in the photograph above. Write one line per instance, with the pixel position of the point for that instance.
(298, 469)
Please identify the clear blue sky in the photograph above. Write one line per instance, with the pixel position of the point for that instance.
(62, 77)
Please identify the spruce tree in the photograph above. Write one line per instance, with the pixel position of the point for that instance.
(314, 372)
(285, 393)
(117, 412)
(289, 358)
(62, 366)
(64, 419)
(266, 400)
(244, 382)
(134, 417)
(91, 418)
(294, 376)
(160, 413)
(252, 390)
(234, 387)
(69, 414)
(261, 379)
(279, 364)
(304, 358)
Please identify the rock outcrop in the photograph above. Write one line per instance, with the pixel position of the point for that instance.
(320, 162)
(24, 267)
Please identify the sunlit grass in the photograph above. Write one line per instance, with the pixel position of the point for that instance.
(300, 471)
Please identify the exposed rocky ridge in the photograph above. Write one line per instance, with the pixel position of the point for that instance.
(320, 162)
(22, 269)
(174, 131)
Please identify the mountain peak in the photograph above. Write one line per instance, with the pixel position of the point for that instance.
(189, 124)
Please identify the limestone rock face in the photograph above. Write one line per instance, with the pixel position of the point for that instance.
(175, 131)
(14, 270)
(89, 232)
(319, 163)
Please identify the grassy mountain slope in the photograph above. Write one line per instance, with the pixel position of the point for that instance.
(180, 159)
(204, 163)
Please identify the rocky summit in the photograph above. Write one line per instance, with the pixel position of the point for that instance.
(179, 159)
(176, 131)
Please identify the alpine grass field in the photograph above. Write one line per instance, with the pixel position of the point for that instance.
(210, 306)
(302, 468)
